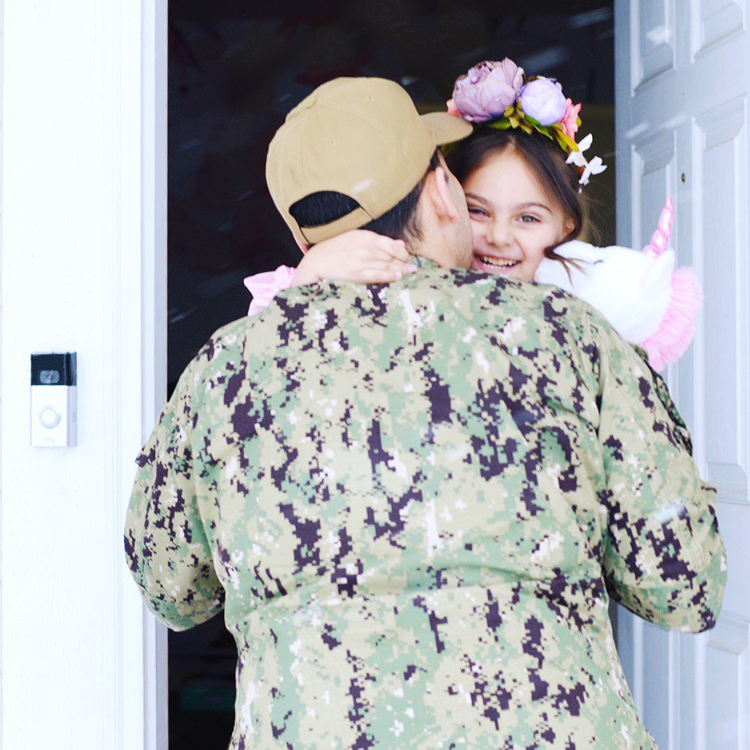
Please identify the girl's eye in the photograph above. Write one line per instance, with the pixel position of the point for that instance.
(529, 219)
(476, 211)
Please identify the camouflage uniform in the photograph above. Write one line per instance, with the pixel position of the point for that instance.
(413, 503)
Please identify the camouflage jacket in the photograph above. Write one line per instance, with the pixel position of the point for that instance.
(413, 503)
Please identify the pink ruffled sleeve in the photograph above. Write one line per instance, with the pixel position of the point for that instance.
(265, 286)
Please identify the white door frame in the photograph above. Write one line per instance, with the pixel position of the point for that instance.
(145, 694)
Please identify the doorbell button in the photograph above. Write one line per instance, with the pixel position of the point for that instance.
(49, 417)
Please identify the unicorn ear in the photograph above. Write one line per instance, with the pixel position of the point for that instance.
(660, 238)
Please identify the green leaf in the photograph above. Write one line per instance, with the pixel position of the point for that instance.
(565, 141)
(500, 124)
(537, 125)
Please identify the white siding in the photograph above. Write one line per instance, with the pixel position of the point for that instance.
(83, 264)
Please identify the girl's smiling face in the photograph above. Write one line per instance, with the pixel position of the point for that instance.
(513, 220)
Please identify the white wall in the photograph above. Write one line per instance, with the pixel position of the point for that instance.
(82, 232)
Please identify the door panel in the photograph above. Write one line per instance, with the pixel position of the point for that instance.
(657, 704)
(726, 685)
(654, 166)
(654, 52)
(734, 519)
(720, 164)
(719, 19)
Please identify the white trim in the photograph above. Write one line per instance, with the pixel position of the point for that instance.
(2, 145)
(83, 269)
(623, 88)
(143, 83)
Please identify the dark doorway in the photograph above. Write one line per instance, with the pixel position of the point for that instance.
(235, 70)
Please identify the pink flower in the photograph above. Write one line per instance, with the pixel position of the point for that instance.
(487, 90)
(570, 120)
(452, 108)
(543, 100)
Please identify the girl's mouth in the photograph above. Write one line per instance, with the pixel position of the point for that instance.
(487, 263)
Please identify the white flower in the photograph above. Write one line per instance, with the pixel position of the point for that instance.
(577, 157)
(595, 166)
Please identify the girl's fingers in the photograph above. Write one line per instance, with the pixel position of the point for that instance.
(381, 276)
(394, 248)
(384, 274)
(381, 256)
(389, 264)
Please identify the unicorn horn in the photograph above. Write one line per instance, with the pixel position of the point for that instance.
(660, 238)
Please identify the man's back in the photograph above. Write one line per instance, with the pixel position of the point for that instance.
(414, 497)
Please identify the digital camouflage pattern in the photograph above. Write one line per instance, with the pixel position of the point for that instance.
(413, 503)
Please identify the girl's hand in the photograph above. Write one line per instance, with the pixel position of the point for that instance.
(359, 256)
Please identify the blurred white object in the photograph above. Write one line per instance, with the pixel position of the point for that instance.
(645, 299)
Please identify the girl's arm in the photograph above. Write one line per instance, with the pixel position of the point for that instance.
(358, 256)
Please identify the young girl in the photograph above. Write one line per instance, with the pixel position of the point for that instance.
(522, 172)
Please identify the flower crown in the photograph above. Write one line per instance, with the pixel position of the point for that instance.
(496, 93)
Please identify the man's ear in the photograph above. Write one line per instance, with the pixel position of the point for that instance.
(441, 197)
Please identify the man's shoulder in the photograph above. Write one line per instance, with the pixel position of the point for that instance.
(225, 344)
(489, 300)
(486, 298)
(489, 290)
(228, 336)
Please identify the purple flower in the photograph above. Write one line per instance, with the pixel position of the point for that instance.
(543, 100)
(487, 90)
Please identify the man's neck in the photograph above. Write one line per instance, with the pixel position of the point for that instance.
(438, 254)
(422, 261)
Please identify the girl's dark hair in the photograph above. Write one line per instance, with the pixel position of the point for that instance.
(543, 157)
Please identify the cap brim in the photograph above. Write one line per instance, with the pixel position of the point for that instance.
(446, 128)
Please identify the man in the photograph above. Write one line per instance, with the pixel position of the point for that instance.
(411, 501)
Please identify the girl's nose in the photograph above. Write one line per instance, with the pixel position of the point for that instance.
(498, 234)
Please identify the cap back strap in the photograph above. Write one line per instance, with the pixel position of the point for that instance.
(353, 220)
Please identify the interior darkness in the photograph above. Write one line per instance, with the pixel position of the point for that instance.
(235, 70)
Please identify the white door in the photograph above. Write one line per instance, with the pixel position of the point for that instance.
(683, 77)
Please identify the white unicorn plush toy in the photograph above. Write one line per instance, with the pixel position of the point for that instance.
(645, 299)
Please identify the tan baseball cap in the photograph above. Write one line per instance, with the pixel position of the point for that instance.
(362, 137)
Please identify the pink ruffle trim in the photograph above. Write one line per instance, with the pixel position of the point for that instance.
(265, 286)
(677, 328)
